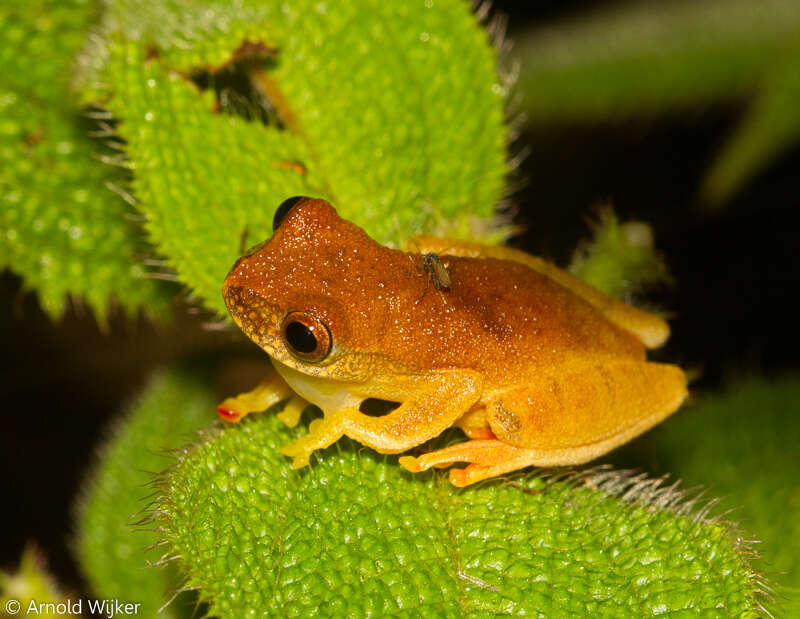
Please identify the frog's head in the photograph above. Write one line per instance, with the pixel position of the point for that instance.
(306, 295)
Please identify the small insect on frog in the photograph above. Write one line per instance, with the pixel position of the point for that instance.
(535, 366)
(437, 271)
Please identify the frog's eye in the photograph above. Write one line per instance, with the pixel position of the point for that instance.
(283, 210)
(306, 337)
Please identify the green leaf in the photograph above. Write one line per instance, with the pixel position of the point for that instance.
(356, 535)
(771, 125)
(392, 111)
(640, 58)
(643, 58)
(61, 227)
(743, 445)
(114, 551)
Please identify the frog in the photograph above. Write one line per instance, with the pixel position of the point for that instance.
(533, 365)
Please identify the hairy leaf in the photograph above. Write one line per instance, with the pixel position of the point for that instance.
(113, 550)
(621, 259)
(357, 535)
(392, 111)
(61, 227)
(748, 454)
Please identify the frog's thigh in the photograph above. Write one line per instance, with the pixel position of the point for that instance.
(579, 412)
(271, 390)
(436, 407)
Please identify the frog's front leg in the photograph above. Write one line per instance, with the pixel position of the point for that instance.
(269, 391)
(440, 400)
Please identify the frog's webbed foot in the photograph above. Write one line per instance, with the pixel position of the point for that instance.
(269, 391)
(488, 458)
(321, 433)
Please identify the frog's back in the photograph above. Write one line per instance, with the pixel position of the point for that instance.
(500, 316)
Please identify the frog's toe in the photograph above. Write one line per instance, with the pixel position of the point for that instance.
(300, 461)
(410, 463)
(321, 433)
(290, 415)
(227, 413)
(458, 477)
(471, 474)
(230, 410)
(293, 449)
(299, 453)
(469, 451)
(422, 463)
(301, 449)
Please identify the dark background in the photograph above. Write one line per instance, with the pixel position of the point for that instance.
(733, 303)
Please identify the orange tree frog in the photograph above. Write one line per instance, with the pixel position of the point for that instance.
(535, 366)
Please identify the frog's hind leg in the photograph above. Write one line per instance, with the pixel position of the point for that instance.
(269, 391)
(572, 415)
(487, 458)
(579, 411)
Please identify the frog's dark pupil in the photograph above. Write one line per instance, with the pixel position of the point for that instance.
(300, 337)
(284, 209)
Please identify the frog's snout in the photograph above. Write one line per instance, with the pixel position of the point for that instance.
(252, 313)
(241, 302)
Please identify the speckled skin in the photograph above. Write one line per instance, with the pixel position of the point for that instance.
(508, 353)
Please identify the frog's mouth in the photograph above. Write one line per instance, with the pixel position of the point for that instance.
(331, 394)
(327, 393)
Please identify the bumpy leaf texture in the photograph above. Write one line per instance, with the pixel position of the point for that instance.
(392, 111)
(61, 227)
(357, 535)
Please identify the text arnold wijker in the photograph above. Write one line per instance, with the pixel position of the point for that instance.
(104, 608)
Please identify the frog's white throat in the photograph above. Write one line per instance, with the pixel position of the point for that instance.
(329, 394)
